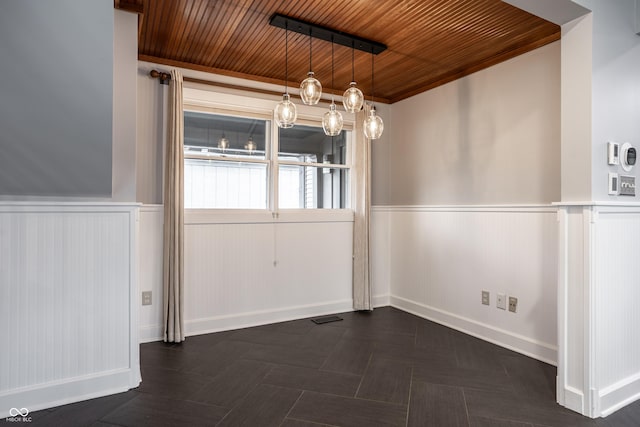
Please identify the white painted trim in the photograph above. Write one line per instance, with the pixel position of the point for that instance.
(135, 377)
(43, 396)
(599, 203)
(521, 344)
(65, 206)
(619, 395)
(249, 319)
(573, 399)
(263, 317)
(151, 333)
(151, 208)
(465, 208)
(262, 216)
(589, 218)
(562, 395)
(381, 300)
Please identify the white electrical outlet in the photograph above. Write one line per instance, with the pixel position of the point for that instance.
(146, 298)
(501, 301)
(486, 298)
(513, 304)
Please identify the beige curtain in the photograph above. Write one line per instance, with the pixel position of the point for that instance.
(361, 189)
(173, 274)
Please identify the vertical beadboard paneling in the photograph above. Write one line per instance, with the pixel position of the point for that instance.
(443, 257)
(150, 270)
(600, 366)
(246, 268)
(616, 297)
(65, 299)
(379, 257)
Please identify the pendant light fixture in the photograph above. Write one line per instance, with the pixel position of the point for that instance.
(332, 119)
(373, 125)
(310, 88)
(223, 143)
(250, 146)
(353, 99)
(285, 112)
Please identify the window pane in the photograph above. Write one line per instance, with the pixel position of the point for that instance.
(210, 184)
(307, 187)
(310, 144)
(224, 136)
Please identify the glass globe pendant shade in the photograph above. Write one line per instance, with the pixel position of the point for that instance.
(373, 125)
(250, 146)
(285, 112)
(353, 99)
(223, 143)
(332, 121)
(310, 90)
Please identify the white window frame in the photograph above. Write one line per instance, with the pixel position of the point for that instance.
(200, 98)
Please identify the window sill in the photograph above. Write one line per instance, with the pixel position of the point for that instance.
(258, 216)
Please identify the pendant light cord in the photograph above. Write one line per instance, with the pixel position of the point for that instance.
(332, 86)
(310, 50)
(286, 56)
(353, 61)
(372, 86)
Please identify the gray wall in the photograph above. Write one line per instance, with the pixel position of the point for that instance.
(56, 97)
(490, 138)
(616, 88)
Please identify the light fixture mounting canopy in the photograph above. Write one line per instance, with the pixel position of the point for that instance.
(326, 34)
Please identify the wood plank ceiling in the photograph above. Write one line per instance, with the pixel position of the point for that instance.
(430, 42)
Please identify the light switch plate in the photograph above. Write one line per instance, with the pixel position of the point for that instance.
(486, 298)
(501, 301)
(613, 184)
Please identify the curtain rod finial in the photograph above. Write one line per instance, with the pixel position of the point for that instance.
(164, 77)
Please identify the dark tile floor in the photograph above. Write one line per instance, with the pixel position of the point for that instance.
(385, 368)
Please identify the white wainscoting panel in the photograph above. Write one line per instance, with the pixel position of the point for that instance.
(599, 244)
(442, 257)
(247, 268)
(150, 271)
(379, 252)
(68, 303)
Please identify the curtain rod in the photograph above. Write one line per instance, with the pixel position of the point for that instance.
(166, 77)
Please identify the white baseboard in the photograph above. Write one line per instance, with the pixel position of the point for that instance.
(532, 348)
(246, 320)
(381, 300)
(58, 393)
(150, 333)
(573, 399)
(619, 395)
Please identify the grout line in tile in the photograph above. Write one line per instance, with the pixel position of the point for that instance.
(310, 422)
(409, 400)
(363, 374)
(466, 408)
(291, 409)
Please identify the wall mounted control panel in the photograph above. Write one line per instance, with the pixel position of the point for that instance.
(627, 185)
(627, 156)
(624, 155)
